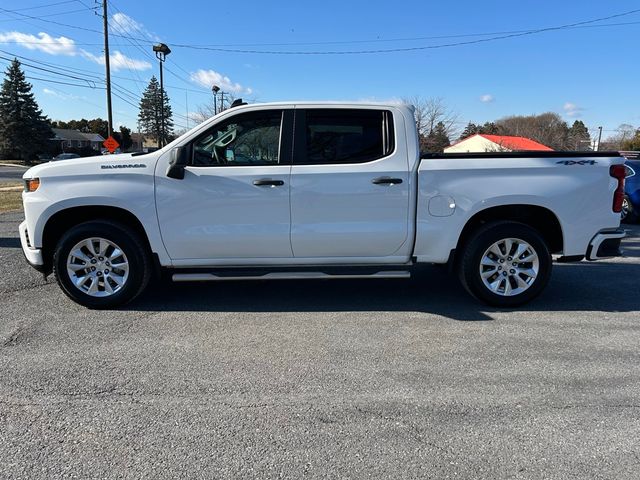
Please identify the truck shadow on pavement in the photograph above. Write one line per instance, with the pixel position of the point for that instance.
(9, 242)
(601, 287)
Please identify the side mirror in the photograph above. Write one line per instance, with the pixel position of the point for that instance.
(179, 160)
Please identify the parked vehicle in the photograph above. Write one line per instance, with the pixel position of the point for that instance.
(631, 202)
(66, 156)
(316, 190)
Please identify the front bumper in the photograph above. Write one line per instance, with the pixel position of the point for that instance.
(33, 255)
(605, 244)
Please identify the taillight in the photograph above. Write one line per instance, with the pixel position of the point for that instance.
(618, 172)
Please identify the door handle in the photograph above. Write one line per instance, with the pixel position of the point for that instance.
(267, 182)
(386, 181)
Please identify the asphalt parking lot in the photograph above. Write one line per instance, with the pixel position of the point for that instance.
(11, 173)
(342, 379)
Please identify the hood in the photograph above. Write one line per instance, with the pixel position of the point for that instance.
(73, 165)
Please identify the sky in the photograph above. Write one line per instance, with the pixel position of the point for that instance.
(485, 60)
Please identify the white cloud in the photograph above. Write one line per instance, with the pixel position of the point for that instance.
(118, 61)
(124, 24)
(209, 78)
(57, 94)
(43, 42)
(487, 98)
(572, 110)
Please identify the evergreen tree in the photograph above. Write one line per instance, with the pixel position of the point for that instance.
(579, 138)
(123, 137)
(437, 139)
(149, 117)
(489, 128)
(24, 130)
(470, 130)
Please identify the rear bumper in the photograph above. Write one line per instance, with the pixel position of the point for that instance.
(605, 244)
(32, 255)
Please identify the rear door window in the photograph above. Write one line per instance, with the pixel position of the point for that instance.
(340, 136)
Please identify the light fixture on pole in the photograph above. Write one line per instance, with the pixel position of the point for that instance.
(215, 89)
(161, 52)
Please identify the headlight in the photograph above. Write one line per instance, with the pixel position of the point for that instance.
(31, 184)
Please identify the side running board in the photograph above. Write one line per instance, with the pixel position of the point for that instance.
(212, 277)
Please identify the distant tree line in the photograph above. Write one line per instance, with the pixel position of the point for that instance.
(99, 126)
(437, 124)
(547, 128)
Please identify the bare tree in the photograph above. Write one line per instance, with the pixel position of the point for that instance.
(547, 128)
(617, 141)
(429, 112)
(207, 110)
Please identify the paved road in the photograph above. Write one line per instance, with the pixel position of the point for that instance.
(11, 174)
(350, 379)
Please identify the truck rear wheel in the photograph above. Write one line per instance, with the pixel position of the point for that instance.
(101, 264)
(505, 264)
(628, 215)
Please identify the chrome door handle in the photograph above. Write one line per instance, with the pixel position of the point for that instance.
(267, 182)
(386, 181)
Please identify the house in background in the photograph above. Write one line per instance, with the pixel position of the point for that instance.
(142, 143)
(496, 143)
(67, 138)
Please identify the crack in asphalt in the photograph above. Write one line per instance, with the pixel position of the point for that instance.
(29, 287)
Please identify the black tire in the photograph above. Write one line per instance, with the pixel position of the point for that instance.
(480, 241)
(629, 215)
(127, 240)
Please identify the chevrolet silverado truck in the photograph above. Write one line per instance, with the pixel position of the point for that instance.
(317, 190)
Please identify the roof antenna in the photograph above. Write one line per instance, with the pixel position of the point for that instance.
(237, 103)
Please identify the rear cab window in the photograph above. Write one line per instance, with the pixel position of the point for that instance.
(342, 136)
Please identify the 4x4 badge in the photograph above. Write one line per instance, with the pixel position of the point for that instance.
(577, 162)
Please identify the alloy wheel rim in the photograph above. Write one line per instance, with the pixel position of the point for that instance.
(97, 267)
(509, 267)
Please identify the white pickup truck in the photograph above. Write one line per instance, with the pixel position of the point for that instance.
(317, 190)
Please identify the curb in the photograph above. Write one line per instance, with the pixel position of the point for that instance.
(14, 165)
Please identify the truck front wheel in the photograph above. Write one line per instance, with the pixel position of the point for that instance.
(101, 264)
(505, 264)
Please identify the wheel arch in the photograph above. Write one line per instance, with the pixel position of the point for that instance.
(540, 218)
(64, 219)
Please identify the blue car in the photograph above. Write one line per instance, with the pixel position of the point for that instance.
(631, 202)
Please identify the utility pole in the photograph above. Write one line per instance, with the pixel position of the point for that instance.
(599, 137)
(186, 99)
(105, 19)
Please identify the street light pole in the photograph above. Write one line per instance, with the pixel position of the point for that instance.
(215, 89)
(161, 53)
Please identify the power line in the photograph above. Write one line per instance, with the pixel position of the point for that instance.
(389, 40)
(35, 67)
(45, 5)
(355, 52)
(418, 48)
(92, 74)
(136, 43)
(48, 15)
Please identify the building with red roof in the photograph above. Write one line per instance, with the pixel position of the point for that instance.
(496, 143)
